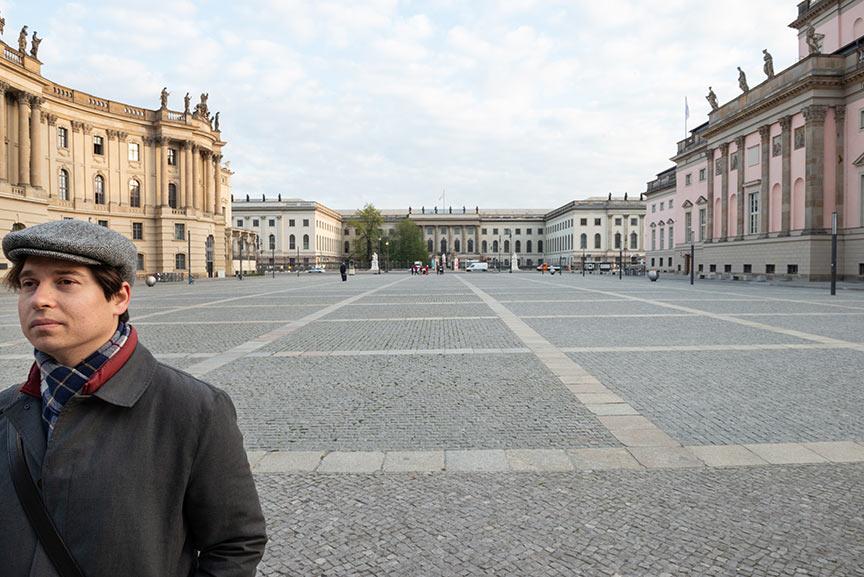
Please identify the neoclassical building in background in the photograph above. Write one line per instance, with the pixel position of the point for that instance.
(155, 176)
(755, 188)
(302, 232)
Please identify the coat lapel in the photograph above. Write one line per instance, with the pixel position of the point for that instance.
(26, 416)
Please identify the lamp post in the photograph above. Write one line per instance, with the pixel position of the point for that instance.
(297, 263)
(273, 259)
(620, 262)
(386, 255)
(189, 253)
(240, 276)
(833, 254)
(510, 240)
(583, 262)
(499, 252)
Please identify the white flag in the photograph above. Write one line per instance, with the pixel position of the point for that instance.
(686, 109)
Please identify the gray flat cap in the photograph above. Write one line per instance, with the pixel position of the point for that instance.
(76, 241)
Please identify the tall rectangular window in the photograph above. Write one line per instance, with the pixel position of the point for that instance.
(180, 231)
(172, 157)
(671, 238)
(703, 174)
(798, 136)
(62, 137)
(133, 151)
(753, 199)
(777, 145)
(688, 227)
(662, 238)
(98, 145)
(137, 231)
(653, 239)
(688, 179)
(180, 261)
(703, 222)
(140, 261)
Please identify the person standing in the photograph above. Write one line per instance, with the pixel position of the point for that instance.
(140, 467)
(343, 270)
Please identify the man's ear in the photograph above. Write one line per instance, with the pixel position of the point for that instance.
(121, 298)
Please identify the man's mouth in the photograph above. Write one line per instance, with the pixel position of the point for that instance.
(43, 323)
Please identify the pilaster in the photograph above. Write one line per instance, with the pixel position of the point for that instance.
(4, 164)
(709, 211)
(739, 195)
(840, 175)
(814, 167)
(23, 139)
(786, 184)
(724, 192)
(765, 189)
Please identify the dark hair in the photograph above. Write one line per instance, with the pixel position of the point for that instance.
(109, 278)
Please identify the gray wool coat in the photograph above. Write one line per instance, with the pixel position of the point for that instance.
(146, 477)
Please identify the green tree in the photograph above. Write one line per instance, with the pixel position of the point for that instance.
(367, 222)
(406, 244)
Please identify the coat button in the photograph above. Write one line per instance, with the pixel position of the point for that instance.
(26, 406)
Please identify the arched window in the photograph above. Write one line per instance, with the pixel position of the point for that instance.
(172, 195)
(484, 246)
(583, 240)
(134, 193)
(518, 246)
(494, 246)
(430, 245)
(539, 246)
(272, 241)
(470, 245)
(457, 245)
(347, 247)
(99, 189)
(634, 241)
(63, 185)
(528, 248)
(292, 242)
(597, 240)
(443, 246)
(507, 246)
(305, 242)
(617, 240)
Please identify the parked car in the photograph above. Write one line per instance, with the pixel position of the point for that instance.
(315, 269)
(477, 267)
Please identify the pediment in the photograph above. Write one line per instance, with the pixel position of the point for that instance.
(859, 161)
(670, 221)
(653, 225)
(702, 200)
(687, 204)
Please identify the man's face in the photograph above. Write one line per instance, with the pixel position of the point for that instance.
(63, 311)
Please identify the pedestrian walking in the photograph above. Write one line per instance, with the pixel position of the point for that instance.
(343, 270)
(113, 463)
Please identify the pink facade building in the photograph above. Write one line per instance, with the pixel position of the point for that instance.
(758, 184)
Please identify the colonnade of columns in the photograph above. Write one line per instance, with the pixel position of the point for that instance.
(199, 171)
(462, 236)
(29, 112)
(814, 177)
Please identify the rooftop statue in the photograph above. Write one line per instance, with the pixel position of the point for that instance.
(34, 49)
(2, 24)
(769, 64)
(186, 100)
(814, 41)
(216, 122)
(742, 80)
(22, 40)
(163, 97)
(712, 99)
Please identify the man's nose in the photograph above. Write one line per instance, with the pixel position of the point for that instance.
(42, 296)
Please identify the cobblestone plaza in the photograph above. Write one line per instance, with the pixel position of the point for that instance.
(522, 424)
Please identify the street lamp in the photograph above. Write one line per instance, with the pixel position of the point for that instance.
(510, 240)
(386, 255)
(240, 276)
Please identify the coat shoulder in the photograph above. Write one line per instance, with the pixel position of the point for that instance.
(8, 395)
(183, 389)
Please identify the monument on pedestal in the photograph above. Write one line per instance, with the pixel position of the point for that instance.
(374, 267)
(514, 263)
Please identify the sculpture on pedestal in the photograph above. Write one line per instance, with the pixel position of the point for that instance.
(163, 98)
(374, 267)
(2, 24)
(34, 48)
(186, 100)
(769, 64)
(814, 41)
(742, 80)
(22, 40)
(712, 99)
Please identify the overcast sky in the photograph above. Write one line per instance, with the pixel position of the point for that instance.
(510, 103)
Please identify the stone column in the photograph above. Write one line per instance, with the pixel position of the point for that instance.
(208, 182)
(23, 139)
(477, 239)
(4, 166)
(436, 247)
(81, 170)
(217, 170)
(724, 192)
(739, 206)
(786, 179)
(196, 161)
(709, 211)
(145, 166)
(840, 179)
(163, 171)
(814, 167)
(123, 193)
(765, 189)
(463, 248)
(188, 183)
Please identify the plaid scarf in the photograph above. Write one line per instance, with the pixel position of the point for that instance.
(60, 383)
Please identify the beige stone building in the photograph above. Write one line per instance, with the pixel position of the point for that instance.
(155, 176)
(294, 231)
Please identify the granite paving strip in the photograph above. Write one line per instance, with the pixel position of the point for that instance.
(721, 317)
(204, 367)
(709, 348)
(598, 399)
(400, 319)
(556, 460)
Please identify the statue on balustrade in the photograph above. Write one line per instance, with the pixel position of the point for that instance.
(712, 99)
(216, 122)
(814, 41)
(186, 100)
(34, 48)
(742, 80)
(201, 110)
(2, 24)
(22, 40)
(163, 97)
(769, 64)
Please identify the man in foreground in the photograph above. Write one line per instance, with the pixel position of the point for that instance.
(140, 467)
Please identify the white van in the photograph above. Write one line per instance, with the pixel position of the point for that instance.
(477, 266)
